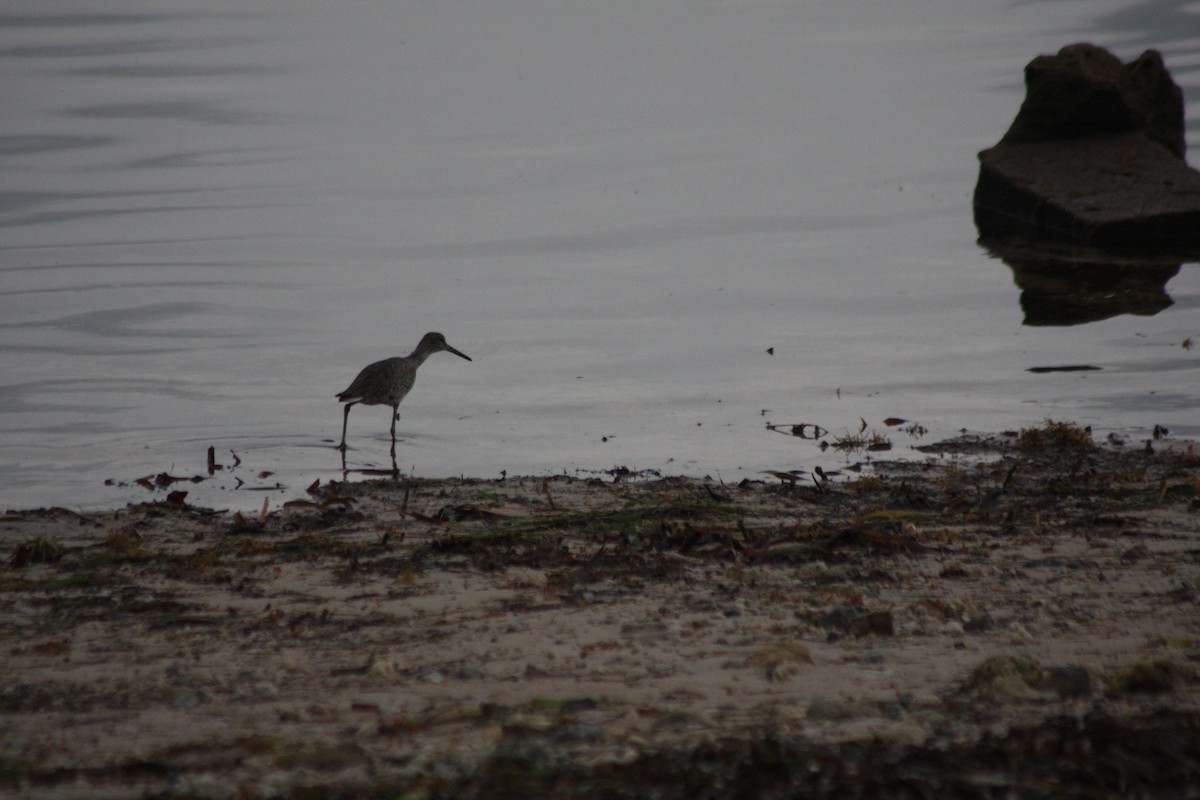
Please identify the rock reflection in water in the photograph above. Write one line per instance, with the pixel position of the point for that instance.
(1067, 284)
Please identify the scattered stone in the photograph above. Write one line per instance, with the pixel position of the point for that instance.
(838, 619)
(978, 623)
(470, 672)
(576, 733)
(877, 623)
(1067, 682)
(1134, 553)
(495, 712)
(954, 570)
(675, 721)
(832, 709)
(1184, 593)
(578, 704)
(781, 661)
(379, 665)
(1004, 678)
(644, 631)
(1153, 677)
(534, 673)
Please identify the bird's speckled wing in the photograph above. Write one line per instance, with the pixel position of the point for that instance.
(382, 383)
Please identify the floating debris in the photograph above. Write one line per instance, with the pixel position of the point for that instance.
(1065, 368)
(801, 430)
(164, 479)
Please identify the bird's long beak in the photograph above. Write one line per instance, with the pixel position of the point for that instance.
(450, 349)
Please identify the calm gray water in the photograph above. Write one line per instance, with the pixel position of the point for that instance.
(213, 214)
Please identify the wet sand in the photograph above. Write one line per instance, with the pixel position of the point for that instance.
(995, 619)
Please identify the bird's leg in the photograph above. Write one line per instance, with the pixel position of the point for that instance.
(345, 421)
(395, 416)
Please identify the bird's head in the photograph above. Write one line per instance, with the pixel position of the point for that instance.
(433, 342)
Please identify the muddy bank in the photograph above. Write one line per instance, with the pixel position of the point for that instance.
(1003, 617)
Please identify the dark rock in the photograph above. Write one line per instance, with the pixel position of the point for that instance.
(839, 618)
(1135, 553)
(1085, 90)
(1094, 155)
(1108, 190)
(978, 624)
(951, 571)
(1005, 675)
(575, 705)
(1070, 681)
(877, 623)
(1154, 677)
(573, 733)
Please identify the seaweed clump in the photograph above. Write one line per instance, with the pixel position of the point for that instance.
(1055, 436)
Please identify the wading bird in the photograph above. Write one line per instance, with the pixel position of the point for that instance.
(385, 383)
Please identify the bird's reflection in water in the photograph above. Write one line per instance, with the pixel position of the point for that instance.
(372, 472)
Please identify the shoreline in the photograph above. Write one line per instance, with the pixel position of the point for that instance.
(918, 624)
